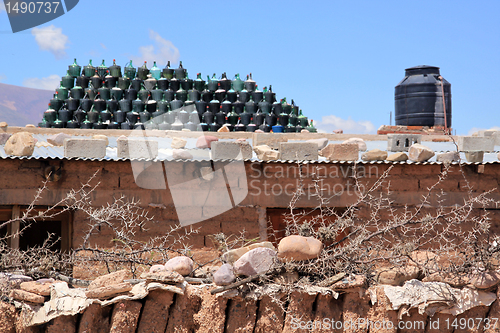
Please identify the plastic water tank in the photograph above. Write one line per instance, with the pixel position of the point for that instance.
(419, 98)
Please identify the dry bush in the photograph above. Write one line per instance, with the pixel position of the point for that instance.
(456, 239)
(124, 217)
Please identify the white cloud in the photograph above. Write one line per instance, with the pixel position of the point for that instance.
(47, 83)
(51, 39)
(162, 51)
(331, 123)
(104, 46)
(2, 7)
(3, 77)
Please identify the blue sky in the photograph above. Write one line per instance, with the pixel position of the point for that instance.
(339, 60)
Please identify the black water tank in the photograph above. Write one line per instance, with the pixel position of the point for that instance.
(419, 98)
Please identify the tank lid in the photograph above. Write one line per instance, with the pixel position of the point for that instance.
(422, 69)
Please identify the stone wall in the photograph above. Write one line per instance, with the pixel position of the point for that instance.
(200, 311)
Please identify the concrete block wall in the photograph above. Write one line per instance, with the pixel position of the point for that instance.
(85, 148)
(137, 148)
(402, 142)
(475, 143)
(222, 150)
(302, 151)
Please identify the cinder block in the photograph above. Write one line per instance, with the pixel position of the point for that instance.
(84, 147)
(491, 133)
(272, 140)
(402, 142)
(474, 156)
(137, 148)
(226, 150)
(475, 143)
(302, 151)
(341, 152)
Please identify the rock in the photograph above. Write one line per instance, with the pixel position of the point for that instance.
(125, 316)
(350, 282)
(224, 275)
(156, 268)
(485, 280)
(181, 154)
(43, 144)
(304, 131)
(30, 126)
(154, 315)
(256, 261)
(13, 280)
(397, 276)
(259, 131)
(178, 143)
(320, 142)
(62, 324)
(3, 124)
(58, 139)
(223, 129)
(299, 248)
(361, 143)
(205, 141)
(95, 319)
(374, 155)
(397, 157)
(420, 153)
(301, 306)
(181, 264)
(109, 279)
(40, 288)
(109, 291)
(338, 131)
(498, 156)
(101, 137)
(7, 318)
(20, 144)
(341, 152)
(164, 276)
(448, 157)
(241, 140)
(25, 296)
(474, 156)
(3, 138)
(185, 130)
(265, 153)
(232, 255)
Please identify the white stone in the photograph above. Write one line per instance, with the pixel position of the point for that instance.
(20, 144)
(178, 143)
(361, 143)
(420, 153)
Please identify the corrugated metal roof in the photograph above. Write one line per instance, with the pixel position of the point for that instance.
(165, 152)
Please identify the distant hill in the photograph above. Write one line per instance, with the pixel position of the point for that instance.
(20, 106)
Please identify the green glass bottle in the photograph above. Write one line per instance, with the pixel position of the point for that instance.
(155, 71)
(311, 128)
(129, 71)
(74, 70)
(89, 70)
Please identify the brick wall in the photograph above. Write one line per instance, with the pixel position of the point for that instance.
(270, 185)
